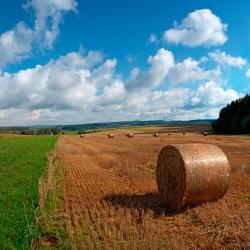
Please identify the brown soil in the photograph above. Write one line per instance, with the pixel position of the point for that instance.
(111, 199)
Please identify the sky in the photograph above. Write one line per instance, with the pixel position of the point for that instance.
(82, 61)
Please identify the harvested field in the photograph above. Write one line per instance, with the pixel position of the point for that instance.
(111, 200)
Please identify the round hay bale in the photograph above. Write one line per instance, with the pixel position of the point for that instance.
(129, 135)
(169, 134)
(189, 174)
(205, 133)
(183, 133)
(81, 135)
(156, 134)
(111, 136)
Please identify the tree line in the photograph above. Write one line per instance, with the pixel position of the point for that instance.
(42, 131)
(234, 118)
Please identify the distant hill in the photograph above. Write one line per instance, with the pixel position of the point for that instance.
(134, 123)
(77, 127)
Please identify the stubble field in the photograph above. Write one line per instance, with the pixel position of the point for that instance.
(111, 202)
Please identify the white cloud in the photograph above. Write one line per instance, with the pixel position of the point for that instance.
(199, 28)
(103, 74)
(189, 71)
(163, 67)
(48, 16)
(248, 73)
(160, 65)
(79, 88)
(60, 84)
(153, 38)
(212, 95)
(224, 59)
(77, 61)
(131, 58)
(16, 44)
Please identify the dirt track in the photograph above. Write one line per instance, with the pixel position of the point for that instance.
(111, 201)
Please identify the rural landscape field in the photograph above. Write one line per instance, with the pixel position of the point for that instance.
(101, 193)
(110, 197)
(124, 125)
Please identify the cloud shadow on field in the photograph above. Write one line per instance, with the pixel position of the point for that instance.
(146, 202)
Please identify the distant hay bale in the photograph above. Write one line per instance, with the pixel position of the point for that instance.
(130, 135)
(209, 132)
(111, 136)
(156, 134)
(183, 133)
(169, 134)
(188, 174)
(81, 135)
(205, 133)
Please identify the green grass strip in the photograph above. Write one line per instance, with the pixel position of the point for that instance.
(22, 161)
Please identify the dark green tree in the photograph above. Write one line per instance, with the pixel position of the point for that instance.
(234, 118)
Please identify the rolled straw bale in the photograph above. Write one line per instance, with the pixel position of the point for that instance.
(205, 133)
(156, 134)
(111, 136)
(188, 174)
(129, 135)
(81, 135)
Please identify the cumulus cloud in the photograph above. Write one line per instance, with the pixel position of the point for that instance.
(160, 65)
(17, 43)
(189, 70)
(199, 28)
(131, 58)
(48, 16)
(213, 95)
(60, 84)
(227, 60)
(84, 88)
(248, 73)
(163, 67)
(153, 38)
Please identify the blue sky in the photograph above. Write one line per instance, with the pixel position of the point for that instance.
(69, 61)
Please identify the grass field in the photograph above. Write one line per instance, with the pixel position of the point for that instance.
(22, 161)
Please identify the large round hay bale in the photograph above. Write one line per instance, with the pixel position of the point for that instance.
(188, 174)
